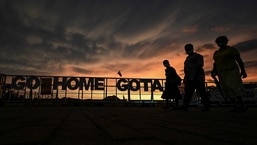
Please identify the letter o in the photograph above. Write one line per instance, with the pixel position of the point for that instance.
(137, 87)
(73, 87)
(29, 82)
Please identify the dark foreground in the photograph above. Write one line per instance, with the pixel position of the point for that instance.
(24, 125)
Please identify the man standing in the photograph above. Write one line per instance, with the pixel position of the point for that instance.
(194, 78)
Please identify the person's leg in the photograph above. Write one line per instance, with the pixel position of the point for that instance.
(240, 101)
(177, 96)
(189, 90)
(176, 103)
(234, 102)
(166, 104)
(241, 105)
(165, 96)
(203, 94)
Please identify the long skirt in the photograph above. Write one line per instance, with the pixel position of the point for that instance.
(231, 83)
(171, 91)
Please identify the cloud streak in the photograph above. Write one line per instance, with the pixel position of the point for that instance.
(98, 38)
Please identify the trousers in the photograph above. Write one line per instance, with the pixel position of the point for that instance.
(190, 88)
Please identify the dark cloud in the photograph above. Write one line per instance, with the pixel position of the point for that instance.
(50, 35)
(246, 45)
(251, 64)
(81, 70)
(208, 46)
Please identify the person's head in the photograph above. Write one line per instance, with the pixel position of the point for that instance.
(222, 41)
(166, 63)
(189, 48)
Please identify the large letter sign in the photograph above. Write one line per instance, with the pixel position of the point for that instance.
(73, 86)
(20, 82)
(134, 84)
(18, 85)
(157, 85)
(57, 83)
(122, 84)
(137, 85)
(30, 82)
(74, 83)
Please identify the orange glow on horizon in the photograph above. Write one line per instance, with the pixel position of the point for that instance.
(149, 69)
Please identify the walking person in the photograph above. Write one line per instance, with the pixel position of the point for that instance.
(171, 90)
(229, 68)
(194, 79)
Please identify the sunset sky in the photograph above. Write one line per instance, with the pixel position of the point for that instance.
(101, 37)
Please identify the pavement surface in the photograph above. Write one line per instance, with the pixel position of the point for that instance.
(106, 125)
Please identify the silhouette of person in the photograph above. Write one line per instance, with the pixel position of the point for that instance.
(171, 90)
(194, 79)
(229, 68)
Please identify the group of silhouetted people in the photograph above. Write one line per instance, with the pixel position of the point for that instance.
(228, 70)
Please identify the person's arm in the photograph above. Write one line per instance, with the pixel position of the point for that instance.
(214, 71)
(241, 65)
(200, 62)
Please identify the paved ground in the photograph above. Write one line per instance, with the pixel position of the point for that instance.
(24, 125)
